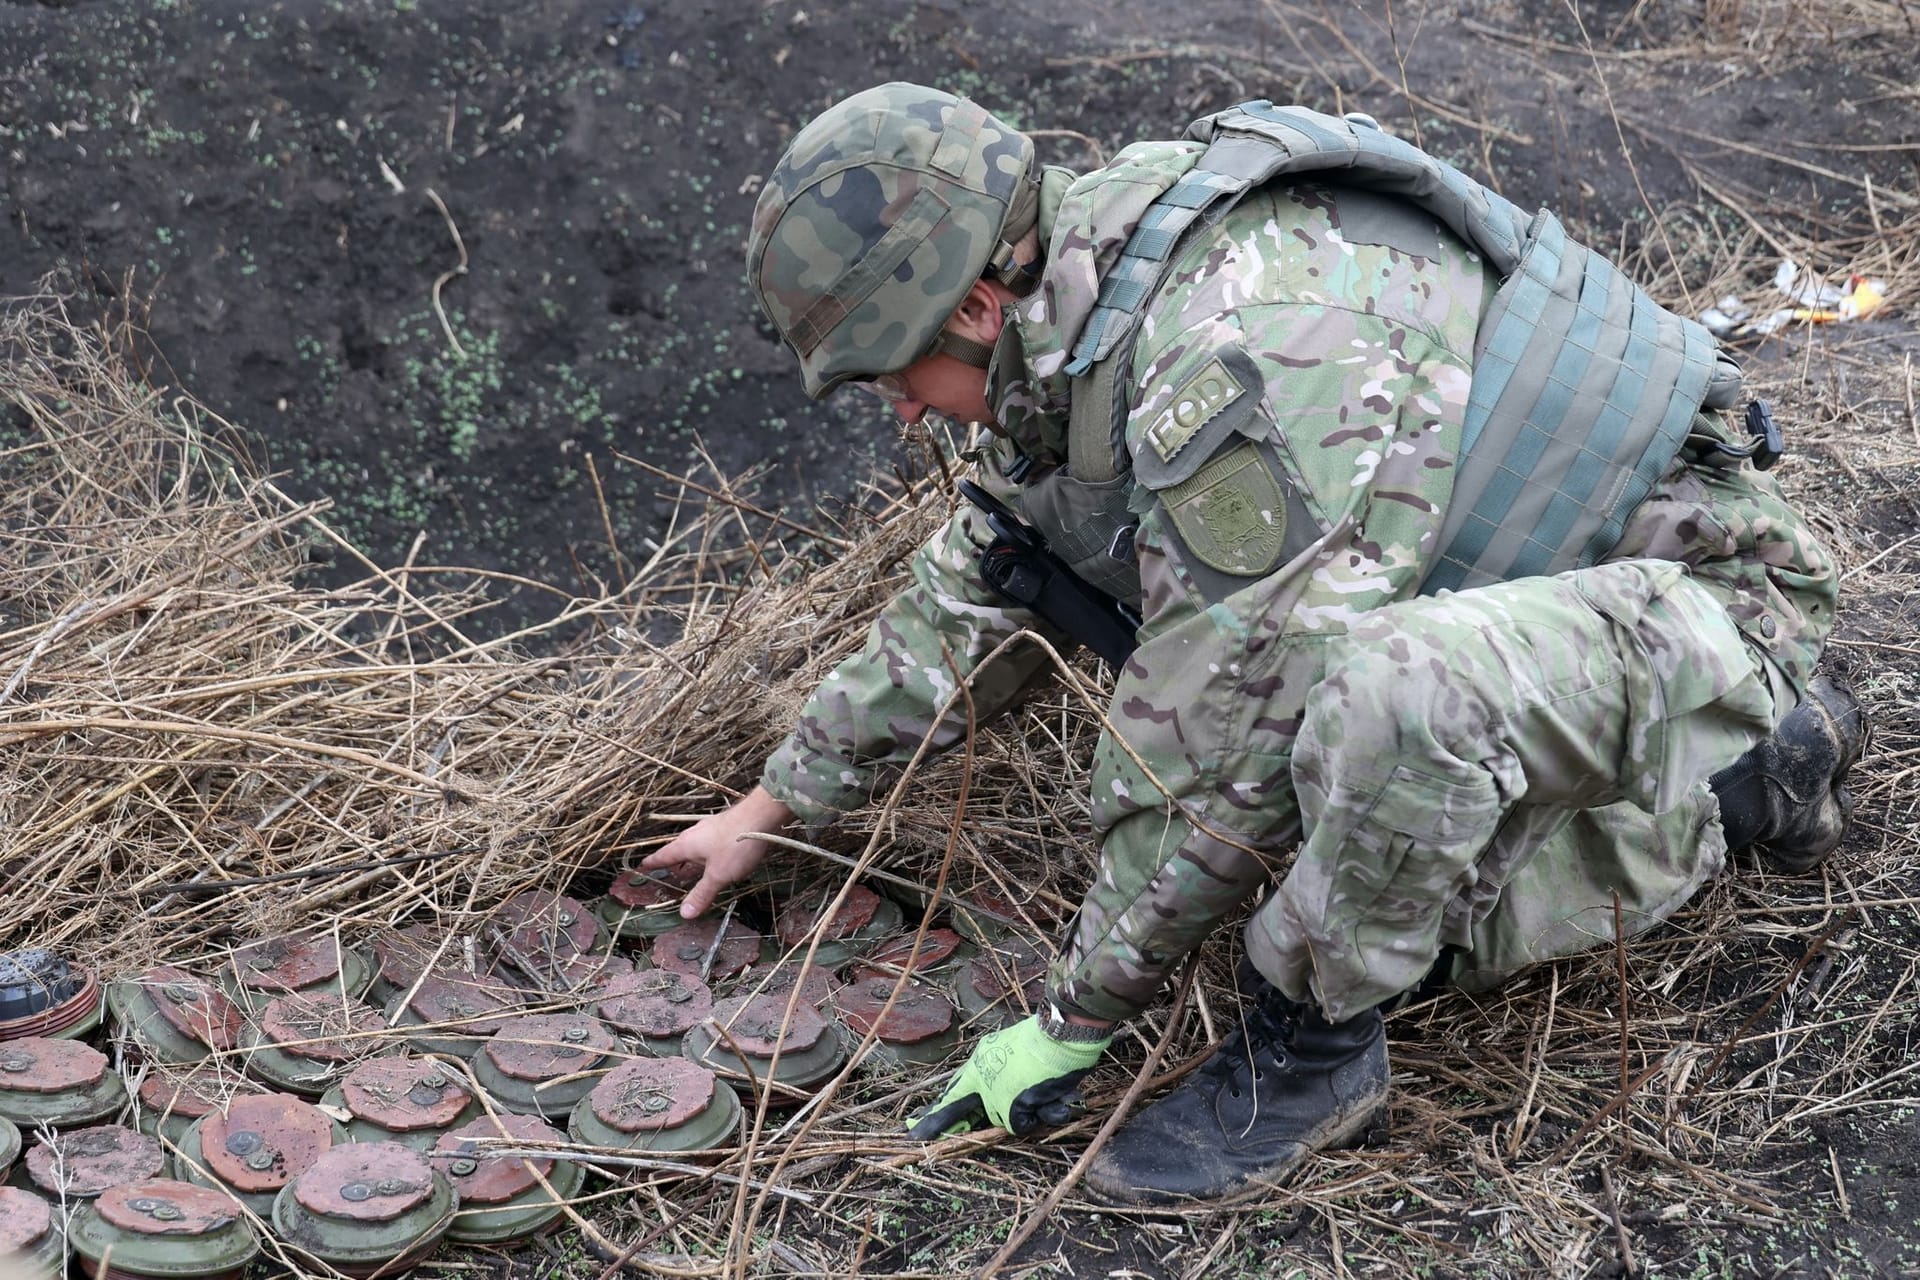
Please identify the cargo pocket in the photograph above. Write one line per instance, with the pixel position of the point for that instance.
(1402, 862)
(1681, 653)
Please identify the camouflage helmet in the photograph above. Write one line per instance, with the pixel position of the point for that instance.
(878, 219)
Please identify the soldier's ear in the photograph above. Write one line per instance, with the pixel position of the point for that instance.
(982, 313)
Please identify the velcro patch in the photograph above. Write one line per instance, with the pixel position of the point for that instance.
(1231, 514)
(1195, 404)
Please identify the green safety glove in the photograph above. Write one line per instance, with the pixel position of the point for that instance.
(1021, 1079)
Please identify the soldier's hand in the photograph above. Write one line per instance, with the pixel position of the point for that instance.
(1021, 1079)
(713, 847)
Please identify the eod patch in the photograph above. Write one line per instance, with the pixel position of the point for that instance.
(1198, 401)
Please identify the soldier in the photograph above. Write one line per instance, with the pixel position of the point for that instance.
(1452, 575)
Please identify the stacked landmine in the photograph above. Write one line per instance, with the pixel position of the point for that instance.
(862, 919)
(79, 1164)
(453, 1015)
(768, 1043)
(61, 1084)
(1003, 983)
(716, 951)
(544, 936)
(367, 1208)
(32, 1245)
(174, 1016)
(505, 1197)
(161, 1228)
(257, 1145)
(544, 1063)
(412, 1101)
(305, 1041)
(43, 995)
(294, 964)
(170, 1100)
(657, 1010)
(640, 905)
(910, 1022)
(662, 1105)
(414, 1090)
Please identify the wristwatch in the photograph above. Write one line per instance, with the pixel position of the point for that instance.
(1055, 1024)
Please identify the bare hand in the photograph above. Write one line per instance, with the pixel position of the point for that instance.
(713, 847)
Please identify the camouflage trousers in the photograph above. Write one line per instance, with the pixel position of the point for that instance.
(1485, 770)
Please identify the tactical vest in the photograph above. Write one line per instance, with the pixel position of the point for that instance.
(1583, 391)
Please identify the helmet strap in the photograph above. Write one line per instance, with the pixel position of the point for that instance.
(1023, 215)
(947, 343)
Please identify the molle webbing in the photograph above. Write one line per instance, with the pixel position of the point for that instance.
(1583, 389)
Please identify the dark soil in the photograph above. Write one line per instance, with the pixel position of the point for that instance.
(257, 180)
(256, 177)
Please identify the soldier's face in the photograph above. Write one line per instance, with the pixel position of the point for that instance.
(941, 384)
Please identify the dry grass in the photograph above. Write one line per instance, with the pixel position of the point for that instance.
(180, 703)
(178, 707)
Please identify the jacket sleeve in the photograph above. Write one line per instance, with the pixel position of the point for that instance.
(871, 713)
(1192, 788)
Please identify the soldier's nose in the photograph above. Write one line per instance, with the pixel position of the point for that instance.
(910, 411)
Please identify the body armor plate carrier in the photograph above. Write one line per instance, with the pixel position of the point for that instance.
(1584, 388)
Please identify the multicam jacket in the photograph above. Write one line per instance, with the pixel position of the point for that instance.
(1301, 380)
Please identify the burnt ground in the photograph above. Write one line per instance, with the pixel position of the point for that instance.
(259, 181)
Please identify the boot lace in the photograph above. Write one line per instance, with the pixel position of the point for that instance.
(1265, 1025)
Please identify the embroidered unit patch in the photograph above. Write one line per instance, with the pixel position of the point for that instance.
(1231, 514)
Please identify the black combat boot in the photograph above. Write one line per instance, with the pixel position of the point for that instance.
(1788, 793)
(1284, 1085)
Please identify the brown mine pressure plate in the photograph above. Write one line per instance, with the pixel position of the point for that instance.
(25, 1219)
(160, 1207)
(36, 1065)
(192, 1094)
(799, 916)
(192, 1006)
(684, 948)
(404, 954)
(467, 1007)
(85, 1162)
(405, 1094)
(817, 984)
(982, 928)
(262, 1142)
(936, 948)
(662, 1004)
(542, 926)
(1019, 960)
(582, 975)
(365, 1182)
(919, 1013)
(485, 1179)
(611, 986)
(646, 890)
(652, 1093)
(321, 1027)
(756, 1025)
(289, 962)
(543, 1046)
